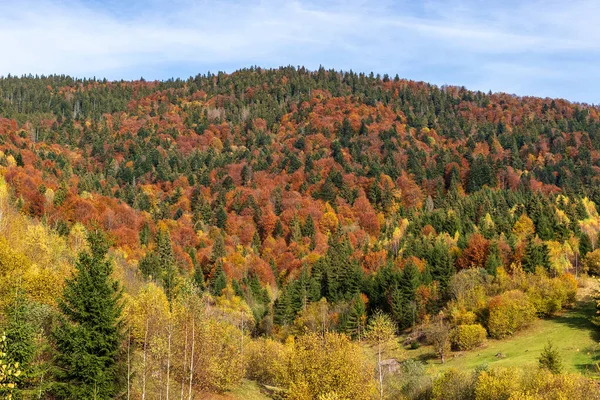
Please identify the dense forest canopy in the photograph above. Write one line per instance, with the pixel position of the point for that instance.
(302, 201)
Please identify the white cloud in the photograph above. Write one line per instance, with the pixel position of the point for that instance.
(461, 42)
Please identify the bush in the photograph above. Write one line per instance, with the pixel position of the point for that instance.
(508, 313)
(550, 295)
(591, 262)
(266, 362)
(453, 385)
(498, 383)
(468, 337)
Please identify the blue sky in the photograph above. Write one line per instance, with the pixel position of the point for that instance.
(537, 47)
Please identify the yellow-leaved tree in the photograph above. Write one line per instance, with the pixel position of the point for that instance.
(327, 365)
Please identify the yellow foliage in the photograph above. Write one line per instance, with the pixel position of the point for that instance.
(146, 312)
(499, 383)
(10, 160)
(559, 256)
(267, 361)
(523, 227)
(321, 365)
(31, 256)
(329, 220)
(590, 207)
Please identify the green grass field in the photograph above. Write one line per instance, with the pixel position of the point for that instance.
(577, 339)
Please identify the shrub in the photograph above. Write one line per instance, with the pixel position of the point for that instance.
(468, 337)
(591, 262)
(498, 383)
(550, 295)
(266, 361)
(508, 313)
(453, 385)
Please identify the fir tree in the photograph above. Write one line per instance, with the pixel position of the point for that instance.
(219, 281)
(88, 337)
(308, 229)
(536, 255)
(20, 340)
(199, 278)
(168, 266)
(221, 217)
(493, 260)
(356, 319)
(218, 250)
(585, 245)
(550, 359)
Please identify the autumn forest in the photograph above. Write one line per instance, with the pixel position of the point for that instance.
(292, 234)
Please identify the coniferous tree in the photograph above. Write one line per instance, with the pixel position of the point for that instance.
(550, 359)
(168, 265)
(536, 255)
(218, 250)
(585, 245)
(219, 281)
(89, 336)
(20, 341)
(357, 319)
(493, 260)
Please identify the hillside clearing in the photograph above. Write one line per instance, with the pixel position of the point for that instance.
(577, 339)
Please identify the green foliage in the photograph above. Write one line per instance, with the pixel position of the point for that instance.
(550, 359)
(88, 337)
(536, 255)
(9, 371)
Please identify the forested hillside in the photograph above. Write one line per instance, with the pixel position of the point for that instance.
(193, 233)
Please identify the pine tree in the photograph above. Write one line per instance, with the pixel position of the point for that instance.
(221, 217)
(357, 319)
(550, 359)
(168, 265)
(88, 337)
(199, 279)
(308, 229)
(493, 260)
(218, 250)
(145, 235)
(408, 284)
(20, 340)
(536, 255)
(282, 310)
(585, 245)
(220, 280)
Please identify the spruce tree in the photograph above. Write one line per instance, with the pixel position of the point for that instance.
(585, 245)
(536, 255)
(168, 264)
(20, 340)
(89, 334)
(198, 278)
(550, 359)
(219, 281)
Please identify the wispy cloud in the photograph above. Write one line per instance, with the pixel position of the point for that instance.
(541, 47)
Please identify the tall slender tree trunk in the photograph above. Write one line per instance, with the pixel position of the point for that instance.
(145, 359)
(170, 328)
(192, 360)
(184, 358)
(242, 338)
(128, 363)
(380, 371)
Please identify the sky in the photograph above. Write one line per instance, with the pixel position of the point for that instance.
(544, 48)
